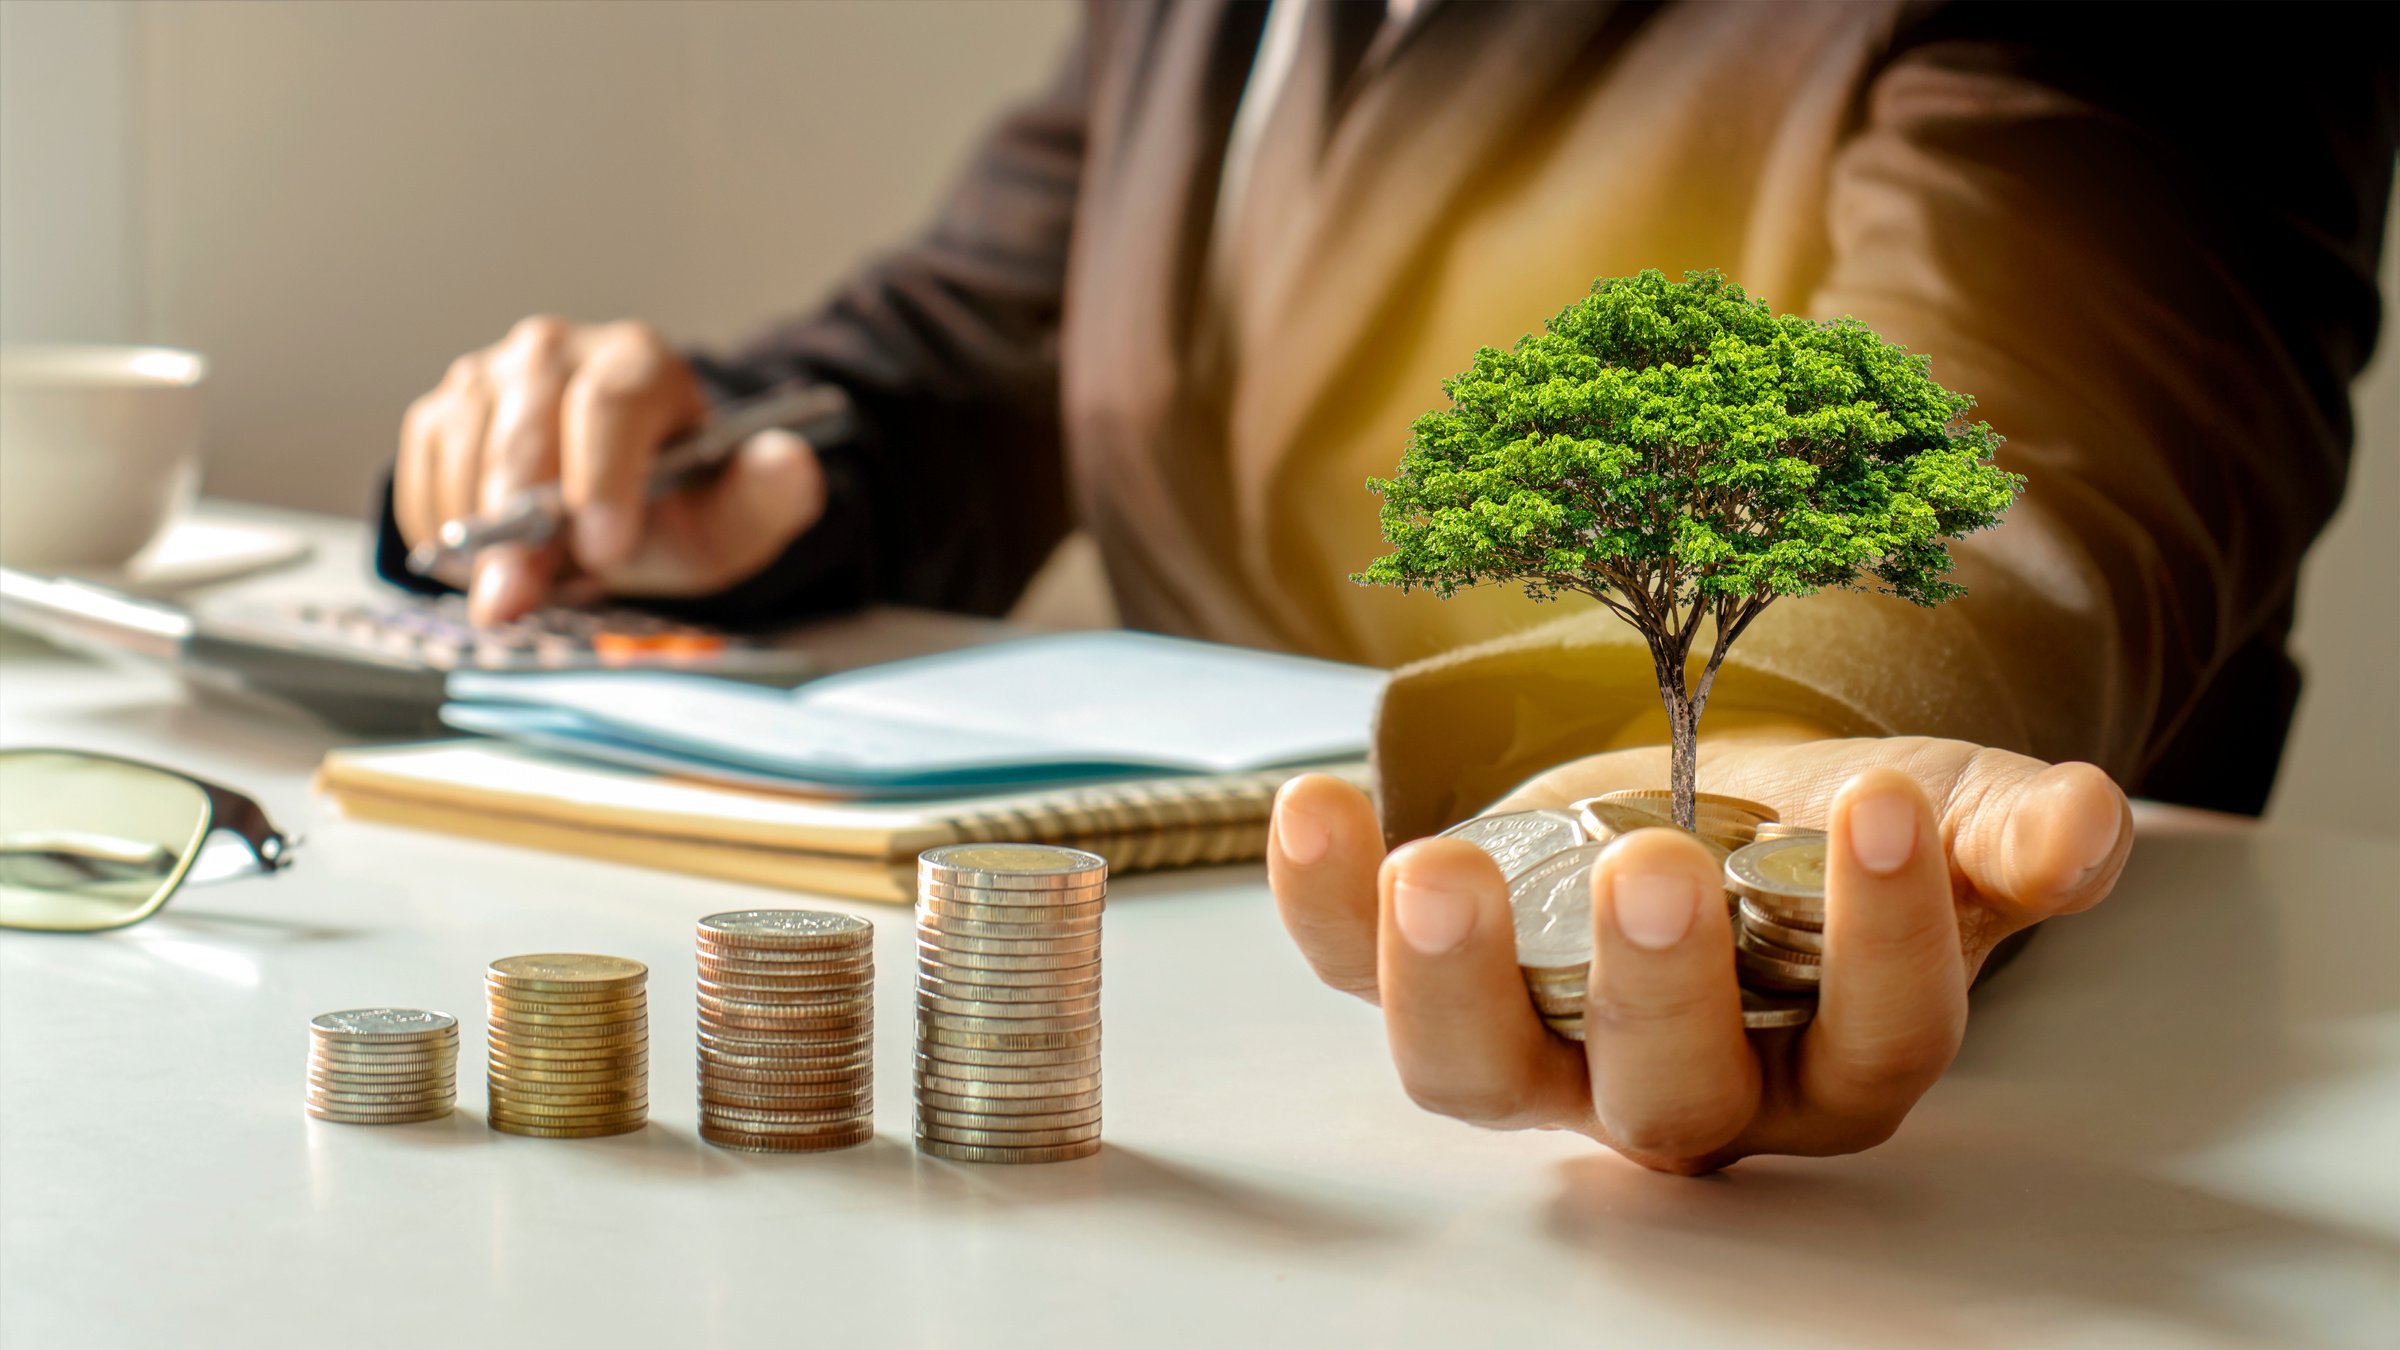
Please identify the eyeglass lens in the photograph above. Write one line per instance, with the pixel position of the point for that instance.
(88, 843)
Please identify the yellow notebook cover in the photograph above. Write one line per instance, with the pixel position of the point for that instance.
(513, 794)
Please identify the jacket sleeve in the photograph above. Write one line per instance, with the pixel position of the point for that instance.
(2151, 258)
(954, 491)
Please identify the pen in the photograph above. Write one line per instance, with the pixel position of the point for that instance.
(819, 413)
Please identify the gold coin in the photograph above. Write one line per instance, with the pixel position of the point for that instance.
(534, 1112)
(1008, 1138)
(815, 1003)
(1783, 875)
(775, 961)
(1701, 801)
(751, 1025)
(974, 1037)
(749, 1044)
(1777, 829)
(551, 1100)
(571, 1058)
(512, 1037)
(568, 1132)
(565, 971)
(971, 1153)
(848, 1137)
(761, 986)
(537, 1079)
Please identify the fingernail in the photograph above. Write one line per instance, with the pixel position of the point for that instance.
(1303, 837)
(603, 534)
(1654, 909)
(1883, 832)
(1431, 919)
(483, 594)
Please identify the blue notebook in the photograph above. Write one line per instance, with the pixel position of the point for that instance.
(1035, 710)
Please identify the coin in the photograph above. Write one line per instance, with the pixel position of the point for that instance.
(1086, 947)
(1778, 829)
(972, 1153)
(1005, 964)
(973, 1036)
(625, 1058)
(1008, 1138)
(934, 1080)
(999, 906)
(350, 1118)
(853, 1103)
(1662, 800)
(1786, 875)
(1552, 904)
(980, 1020)
(571, 1131)
(1017, 1109)
(386, 1065)
(1765, 924)
(1763, 1011)
(808, 929)
(543, 1111)
(383, 1024)
(949, 1123)
(517, 1039)
(354, 1100)
(632, 1014)
(731, 1135)
(1011, 932)
(1517, 840)
(778, 962)
(1008, 1066)
(1019, 912)
(565, 971)
(738, 985)
(1778, 968)
(1011, 866)
(1088, 987)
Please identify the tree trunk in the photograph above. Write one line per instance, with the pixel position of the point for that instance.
(1683, 720)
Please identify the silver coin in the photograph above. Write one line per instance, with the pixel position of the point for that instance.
(930, 910)
(1087, 947)
(1026, 991)
(942, 927)
(379, 1023)
(1767, 926)
(943, 893)
(1519, 839)
(1552, 904)
(809, 927)
(1003, 963)
(1012, 867)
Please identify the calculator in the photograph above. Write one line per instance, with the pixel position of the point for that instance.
(378, 665)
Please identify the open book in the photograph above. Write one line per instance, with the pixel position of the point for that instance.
(1056, 709)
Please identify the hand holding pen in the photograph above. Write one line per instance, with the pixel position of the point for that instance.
(553, 461)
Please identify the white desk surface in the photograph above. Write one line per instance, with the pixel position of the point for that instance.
(2176, 1122)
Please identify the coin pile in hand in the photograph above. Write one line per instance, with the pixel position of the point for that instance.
(1008, 1002)
(1547, 857)
(787, 1030)
(569, 1044)
(382, 1066)
(1778, 887)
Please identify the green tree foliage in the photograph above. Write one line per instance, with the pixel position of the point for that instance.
(1679, 453)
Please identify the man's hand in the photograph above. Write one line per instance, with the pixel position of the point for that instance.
(590, 407)
(1938, 850)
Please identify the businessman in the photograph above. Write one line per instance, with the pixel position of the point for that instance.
(1188, 300)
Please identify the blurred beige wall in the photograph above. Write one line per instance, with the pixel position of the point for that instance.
(332, 199)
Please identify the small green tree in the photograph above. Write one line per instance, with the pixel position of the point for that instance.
(1682, 455)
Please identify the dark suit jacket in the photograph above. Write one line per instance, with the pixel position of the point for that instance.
(2145, 239)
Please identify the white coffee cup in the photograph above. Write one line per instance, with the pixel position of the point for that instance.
(99, 449)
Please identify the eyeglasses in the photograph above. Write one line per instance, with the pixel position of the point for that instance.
(91, 842)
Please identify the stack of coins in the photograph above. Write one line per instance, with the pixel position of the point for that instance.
(1008, 1002)
(1779, 918)
(1548, 866)
(382, 1066)
(787, 1030)
(570, 1045)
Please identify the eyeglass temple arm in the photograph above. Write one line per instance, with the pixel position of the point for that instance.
(245, 817)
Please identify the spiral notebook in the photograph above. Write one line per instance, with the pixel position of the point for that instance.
(523, 795)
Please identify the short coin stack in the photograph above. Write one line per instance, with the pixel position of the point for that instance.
(1008, 1002)
(382, 1066)
(787, 1030)
(570, 1045)
(1779, 920)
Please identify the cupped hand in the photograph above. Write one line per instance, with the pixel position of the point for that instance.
(1937, 851)
(589, 407)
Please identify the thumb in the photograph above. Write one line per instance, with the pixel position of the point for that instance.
(725, 530)
(2036, 839)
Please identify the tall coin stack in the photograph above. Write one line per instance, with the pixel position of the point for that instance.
(382, 1066)
(787, 1030)
(1008, 1002)
(1779, 918)
(570, 1045)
